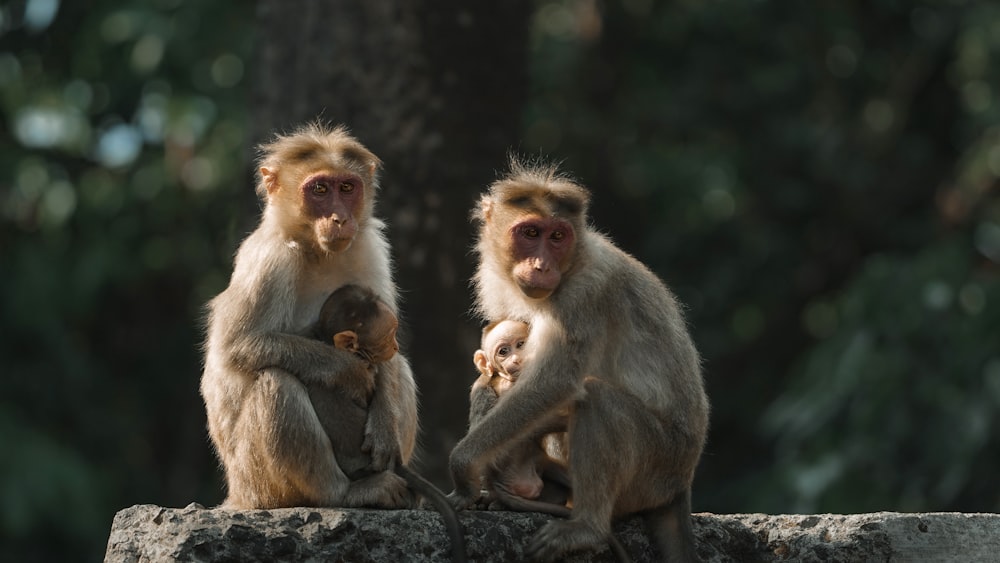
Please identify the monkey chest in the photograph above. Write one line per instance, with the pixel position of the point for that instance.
(311, 294)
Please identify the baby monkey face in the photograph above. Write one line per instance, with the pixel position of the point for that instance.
(507, 346)
(378, 336)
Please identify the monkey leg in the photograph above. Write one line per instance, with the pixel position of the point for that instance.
(282, 457)
(618, 465)
(343, 421)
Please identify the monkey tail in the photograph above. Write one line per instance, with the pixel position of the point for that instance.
(427, 490)
(522, 504)
(618, 549)
(670, 527)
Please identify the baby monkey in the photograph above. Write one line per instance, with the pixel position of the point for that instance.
(534, 476)
(355, 319)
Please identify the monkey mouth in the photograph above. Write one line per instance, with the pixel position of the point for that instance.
(335, 237)
(337, 244)
(536, 292)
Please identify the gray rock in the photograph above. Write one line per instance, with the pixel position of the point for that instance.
(146, 533)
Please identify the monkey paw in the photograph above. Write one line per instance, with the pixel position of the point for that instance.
(462, 502)
(561, 536)
(381, 490)
(383, 449)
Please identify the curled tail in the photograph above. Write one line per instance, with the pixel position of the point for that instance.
(427, 490)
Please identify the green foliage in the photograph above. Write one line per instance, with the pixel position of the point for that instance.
(819, 184)
(818, 181)
(123, 140)
(897, 406)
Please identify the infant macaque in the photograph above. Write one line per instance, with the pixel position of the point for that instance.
(355, 319)
(531, 469)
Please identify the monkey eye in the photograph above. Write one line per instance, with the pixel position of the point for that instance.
(520, 344)
(558, 235)
(503, 351)
(530, 232)
(320, 188)
(346, 187)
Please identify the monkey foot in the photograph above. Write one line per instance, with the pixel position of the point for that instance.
(381, 490)
(561, 536)
(460, 501)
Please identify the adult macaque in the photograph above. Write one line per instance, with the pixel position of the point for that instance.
(608, 343)
(519, 476)
(317, 234)
(355, 319)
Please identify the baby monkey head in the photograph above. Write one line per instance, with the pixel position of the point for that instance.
(354, 318)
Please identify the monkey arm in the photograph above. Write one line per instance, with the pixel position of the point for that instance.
(249, 322)
(390, 431)
(310, 360)
(481, 400)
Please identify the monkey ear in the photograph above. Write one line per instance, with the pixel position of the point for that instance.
(347, 340)
(269, 178)
(482, 364)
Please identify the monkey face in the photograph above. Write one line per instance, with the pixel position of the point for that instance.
(507, 358)
(333, 201)
(507, 347)
(542, 248)
(382, 335)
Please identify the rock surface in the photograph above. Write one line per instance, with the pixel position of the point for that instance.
(147, 533)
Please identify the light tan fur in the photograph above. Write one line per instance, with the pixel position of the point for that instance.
(537, 467)
(259, 356)
(636, 431)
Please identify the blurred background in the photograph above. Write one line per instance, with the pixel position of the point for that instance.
(818, 182)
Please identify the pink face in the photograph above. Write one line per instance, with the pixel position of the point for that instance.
(541, 247)
(334, 200)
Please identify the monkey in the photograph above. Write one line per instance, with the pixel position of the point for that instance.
(317, 232)
(355, 319)
(352, 318)
(520, 475)
(609, 343)
(533, 477)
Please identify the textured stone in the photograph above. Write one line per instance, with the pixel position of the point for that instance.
(146, 533)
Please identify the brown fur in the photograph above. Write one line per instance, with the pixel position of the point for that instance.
(355, 319)
(259, 354)
(530, 471)
(637, 431)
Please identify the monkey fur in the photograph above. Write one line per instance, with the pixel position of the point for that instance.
(533, 477)
(609, 345)
(355, 319)
(532, 470)
(316, 234)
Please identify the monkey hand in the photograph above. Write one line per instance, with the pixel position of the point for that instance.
(466, 476)
(462, 502)
(381, 442)
(359, 383)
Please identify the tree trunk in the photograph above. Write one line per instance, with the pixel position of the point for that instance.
(435, 89)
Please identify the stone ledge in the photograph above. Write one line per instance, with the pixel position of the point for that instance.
(150, 533)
